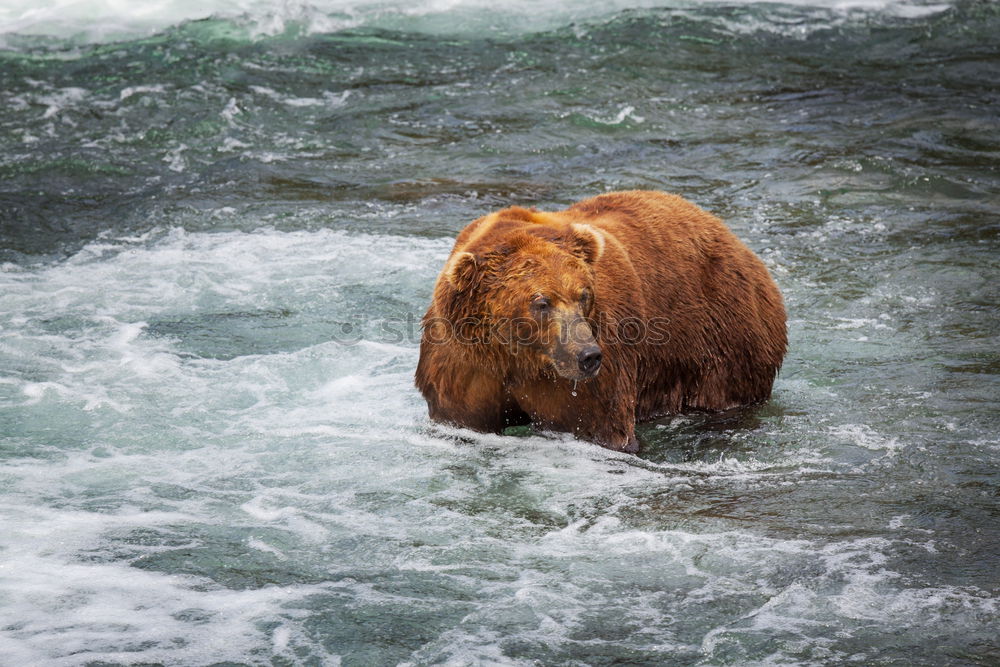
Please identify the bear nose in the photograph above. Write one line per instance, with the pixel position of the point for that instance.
(589, 359)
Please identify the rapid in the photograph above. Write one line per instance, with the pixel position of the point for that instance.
(220, 223)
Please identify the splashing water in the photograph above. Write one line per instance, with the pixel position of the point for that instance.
(219, 225)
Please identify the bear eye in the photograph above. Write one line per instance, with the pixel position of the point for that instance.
(541, 304)
(586, 296)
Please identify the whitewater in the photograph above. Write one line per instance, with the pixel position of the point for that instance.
(221, 222)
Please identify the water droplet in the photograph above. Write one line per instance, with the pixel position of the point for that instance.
(573, 393)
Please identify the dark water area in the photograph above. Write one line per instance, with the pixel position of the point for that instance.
(213, 243)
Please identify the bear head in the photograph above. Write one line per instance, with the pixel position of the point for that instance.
(529, 294)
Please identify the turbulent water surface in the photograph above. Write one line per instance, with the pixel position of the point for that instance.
(219, 223)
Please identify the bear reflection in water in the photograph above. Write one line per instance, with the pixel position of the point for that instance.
(620, 309)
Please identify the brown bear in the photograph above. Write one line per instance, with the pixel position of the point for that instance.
(622, 308)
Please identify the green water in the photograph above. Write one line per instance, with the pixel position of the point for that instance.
(213, 246)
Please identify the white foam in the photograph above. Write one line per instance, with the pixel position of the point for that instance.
(859, 323)
(624, 112)
(329, 99)
(143, 476)
(260, 545)
(867, 437)
(140, 90)
(104, 20)
(90, 606)
(58, 99)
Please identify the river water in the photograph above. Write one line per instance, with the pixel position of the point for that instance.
(220, 220)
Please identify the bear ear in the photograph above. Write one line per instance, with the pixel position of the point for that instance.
(586, 242)
(462, 271)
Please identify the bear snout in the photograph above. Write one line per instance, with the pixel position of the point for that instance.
(589, 360)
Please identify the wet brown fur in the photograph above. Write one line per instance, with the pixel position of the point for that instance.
(645, 255)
